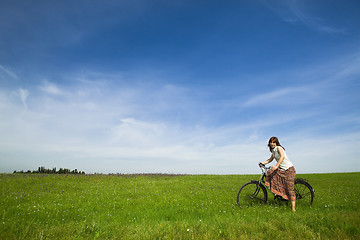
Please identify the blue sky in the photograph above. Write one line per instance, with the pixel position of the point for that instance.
(179, 86)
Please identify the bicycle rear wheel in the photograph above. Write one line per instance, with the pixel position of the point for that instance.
(304, 192)
(251, 193)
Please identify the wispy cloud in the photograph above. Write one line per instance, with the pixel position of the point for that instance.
(324, 153)
(51, 88)
(132, 132)
(8, 73)
(23, 95)
(349, 68)
(290, 11)
(279, 96)
(159, 127)
(76, 134)
(128, 124)
(313, 84)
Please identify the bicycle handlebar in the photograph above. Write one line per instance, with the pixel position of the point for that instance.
(263, 167)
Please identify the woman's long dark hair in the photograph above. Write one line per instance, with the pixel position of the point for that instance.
(275, 140)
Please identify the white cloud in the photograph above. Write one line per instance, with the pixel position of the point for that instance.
(137, 133)
(8, 72)
(22, 94)
(280, 96)
(291, 12)
(349, 68)
(55, 132)
(104, 127)
(313, 84)
(51, 88)
(335, 153)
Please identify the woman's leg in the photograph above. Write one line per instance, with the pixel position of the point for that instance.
(290, 187)
(293, 206)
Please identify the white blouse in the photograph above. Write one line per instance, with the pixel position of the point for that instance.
(285, 164)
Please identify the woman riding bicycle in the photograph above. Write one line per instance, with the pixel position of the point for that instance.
(280, 179)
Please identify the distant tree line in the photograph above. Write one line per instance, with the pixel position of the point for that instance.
(52, 171)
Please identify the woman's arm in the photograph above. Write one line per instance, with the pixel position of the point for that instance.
(269, 160)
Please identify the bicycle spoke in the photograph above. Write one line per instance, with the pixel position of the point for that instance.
(304, 193)
(250, 194)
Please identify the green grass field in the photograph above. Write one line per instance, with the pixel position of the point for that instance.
(37, 206)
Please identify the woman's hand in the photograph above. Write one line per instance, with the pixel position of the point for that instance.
(274, 168)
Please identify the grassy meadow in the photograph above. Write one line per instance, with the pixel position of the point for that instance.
(39, 206)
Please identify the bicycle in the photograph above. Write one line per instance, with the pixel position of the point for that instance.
(254, 192)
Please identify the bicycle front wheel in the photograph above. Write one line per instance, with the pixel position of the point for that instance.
(304, 192)
(251, 193)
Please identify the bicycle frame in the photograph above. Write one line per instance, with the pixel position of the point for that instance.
(264, 171)
(261, 180)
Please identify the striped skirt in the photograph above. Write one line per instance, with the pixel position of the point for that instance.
(282, 182)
